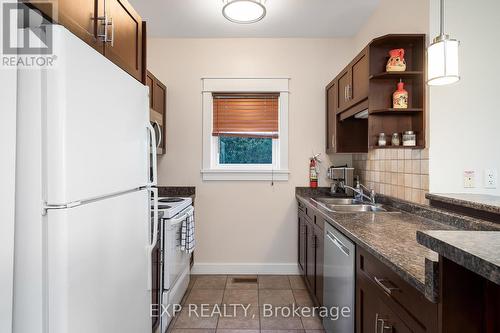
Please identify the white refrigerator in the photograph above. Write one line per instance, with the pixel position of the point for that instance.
(85, 173)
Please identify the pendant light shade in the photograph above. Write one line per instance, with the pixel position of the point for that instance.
(442, 59)
(244, 11)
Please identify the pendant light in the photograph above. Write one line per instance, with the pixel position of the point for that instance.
(442, 56)
(244, 11)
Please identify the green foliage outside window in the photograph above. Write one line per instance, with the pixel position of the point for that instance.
(242, 150)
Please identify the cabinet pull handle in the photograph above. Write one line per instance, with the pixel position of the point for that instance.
(345, 93)
(333, 140)
(380, 283)
(383, 325)
(105, 22)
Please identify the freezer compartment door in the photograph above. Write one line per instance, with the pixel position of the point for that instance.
(97, 266)
(97, 117)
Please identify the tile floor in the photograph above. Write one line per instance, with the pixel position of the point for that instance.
(279, 290)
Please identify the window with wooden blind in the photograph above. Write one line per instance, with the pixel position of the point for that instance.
(245, 129)
(245, 125)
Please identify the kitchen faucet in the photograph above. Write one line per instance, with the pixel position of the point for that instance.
(359, 192)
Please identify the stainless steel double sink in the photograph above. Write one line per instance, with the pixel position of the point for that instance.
(349, 205)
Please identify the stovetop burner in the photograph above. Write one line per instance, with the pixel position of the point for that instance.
(170, 200)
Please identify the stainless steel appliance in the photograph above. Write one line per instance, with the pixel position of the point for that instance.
(339, 283)
(341, 175)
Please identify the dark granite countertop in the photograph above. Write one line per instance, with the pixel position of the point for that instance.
(482, 202)
(177, 191)
(390, 237)
(478, 251)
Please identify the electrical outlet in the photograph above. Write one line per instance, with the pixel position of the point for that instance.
(490, 178)
(469, 179)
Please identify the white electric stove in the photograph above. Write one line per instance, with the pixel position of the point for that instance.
(171, 206)
(175, 270)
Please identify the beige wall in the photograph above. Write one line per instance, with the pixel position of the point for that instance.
(464, 119)
(403, 16)
(245, 222)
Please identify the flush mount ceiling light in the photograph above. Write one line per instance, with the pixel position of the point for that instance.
(442, 59)
(244, 11)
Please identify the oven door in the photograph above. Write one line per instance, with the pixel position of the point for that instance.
(176, 260)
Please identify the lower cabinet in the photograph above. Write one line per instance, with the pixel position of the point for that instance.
(386, 303)
(373, 315)
(310, 253)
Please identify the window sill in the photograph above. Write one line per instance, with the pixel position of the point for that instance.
(232, 174)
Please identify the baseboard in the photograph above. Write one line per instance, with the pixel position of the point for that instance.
(244, 268)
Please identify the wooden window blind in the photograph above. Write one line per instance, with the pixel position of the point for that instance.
(247, 115)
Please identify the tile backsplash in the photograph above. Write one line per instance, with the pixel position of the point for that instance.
(400, 173)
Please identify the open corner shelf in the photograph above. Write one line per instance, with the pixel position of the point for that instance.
(396, 111)
(396, 75)
(397, 147)
(364, 84)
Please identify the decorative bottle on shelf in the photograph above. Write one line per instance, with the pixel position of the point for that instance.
(396, 62)
(400, 97)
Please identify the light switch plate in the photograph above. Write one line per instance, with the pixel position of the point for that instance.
(490, 178)
(469, 179)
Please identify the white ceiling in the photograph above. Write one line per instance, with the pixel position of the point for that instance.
(285, 18)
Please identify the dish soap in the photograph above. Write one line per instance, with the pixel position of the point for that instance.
(400, 97)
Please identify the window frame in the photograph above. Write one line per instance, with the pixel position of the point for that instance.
(211, 168)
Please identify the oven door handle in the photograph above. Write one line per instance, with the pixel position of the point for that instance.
(183, 217)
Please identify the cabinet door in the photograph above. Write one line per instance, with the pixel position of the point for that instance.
(311, 257)
(150, 83)
(344, 83)
(331, 100)
(159, 105)
(359, 90)
(319, 264)
(388, 321)
(77, 16)
(372, 314)
(302, 244)
(126, 31)
(366, 307)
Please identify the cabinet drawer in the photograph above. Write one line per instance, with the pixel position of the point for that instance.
(310, 214)
(408, 302)
(301, 206)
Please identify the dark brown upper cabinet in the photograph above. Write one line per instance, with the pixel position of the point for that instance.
(124, 33)
(158, 110)
(331, 107)
(364, 87)
(112, 27)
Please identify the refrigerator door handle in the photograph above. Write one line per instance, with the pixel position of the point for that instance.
(154, 237)
(153, 178)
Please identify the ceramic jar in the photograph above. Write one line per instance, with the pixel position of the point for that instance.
(400, 97)
(396, 62)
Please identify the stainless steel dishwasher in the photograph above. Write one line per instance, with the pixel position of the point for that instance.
(339, 281)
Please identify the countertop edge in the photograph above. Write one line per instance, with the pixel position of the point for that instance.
(449, 199)
(427, 288)
(459, 256)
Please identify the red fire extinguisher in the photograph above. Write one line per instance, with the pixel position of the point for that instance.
(313, 171)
